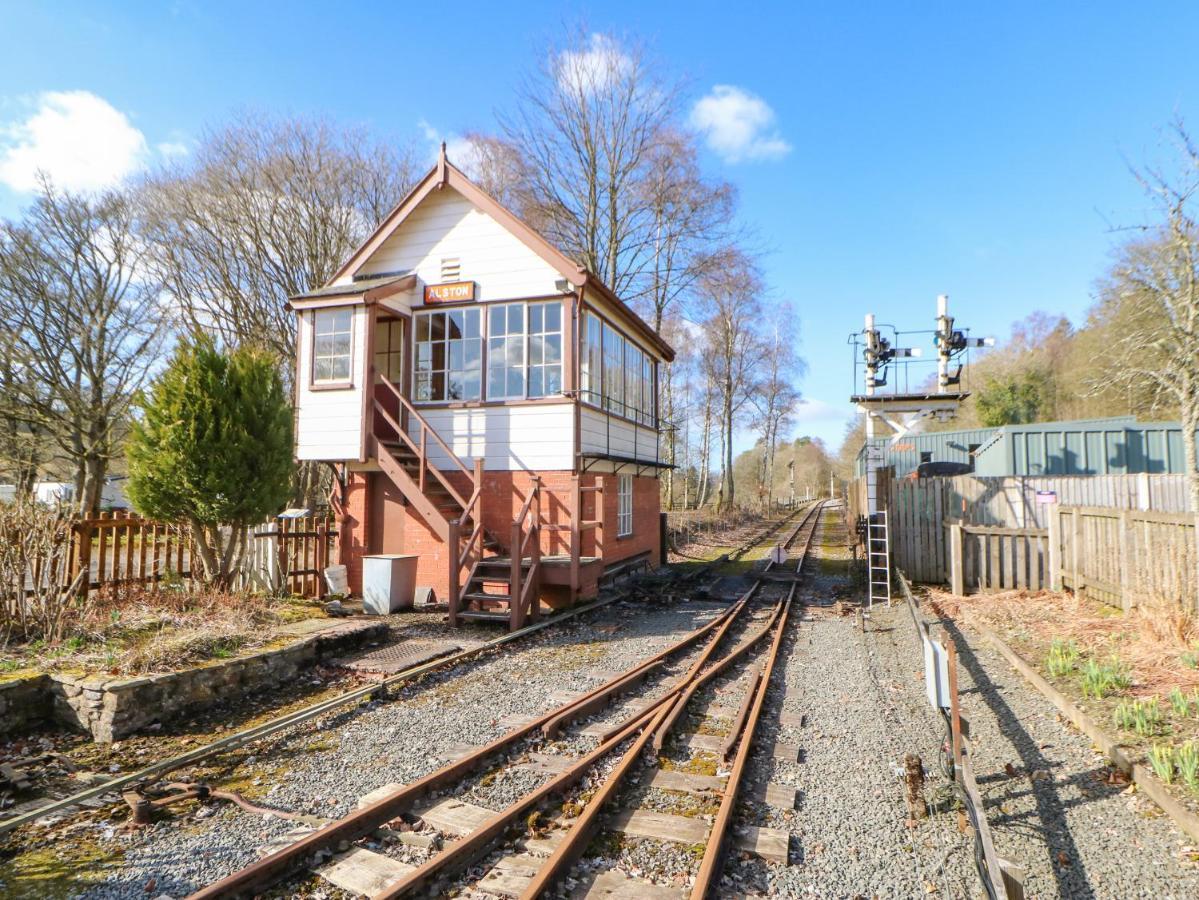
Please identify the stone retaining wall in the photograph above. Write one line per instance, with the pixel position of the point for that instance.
(112, 708)
(23, 703)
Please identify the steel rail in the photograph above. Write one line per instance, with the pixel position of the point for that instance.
(663, 711)
(363, 821)
(713, 859)
(712, 863)
(300, 716)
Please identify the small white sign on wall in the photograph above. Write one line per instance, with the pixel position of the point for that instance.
(936, 673)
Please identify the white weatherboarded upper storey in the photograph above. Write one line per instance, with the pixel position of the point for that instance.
(446, 225)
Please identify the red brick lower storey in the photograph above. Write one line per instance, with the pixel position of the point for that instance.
(378, 520)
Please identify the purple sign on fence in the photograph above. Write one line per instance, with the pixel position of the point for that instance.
(1047, 496)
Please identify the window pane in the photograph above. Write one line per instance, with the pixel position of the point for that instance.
(397, 333)
(535, 382)
(422, 386)
(381, 364)
(553, 316)
(470, 328)
(553, 380)
(422, 328)
(342, 318)
(516, 315)
(516, 383)
(536, 343)
(439, 356)
(473, 353)
(455, 329)
(438, 386)
(455, 387)
(322, 370)
(341, 368)
(341, 344)
(553, 348)
(424, 353)
(514, 351)
(456, 354)
(534, 317)
(437, 326)
(471, 382)
(495, 383)
(496, 320)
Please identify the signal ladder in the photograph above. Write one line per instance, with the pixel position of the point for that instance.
(878, 557)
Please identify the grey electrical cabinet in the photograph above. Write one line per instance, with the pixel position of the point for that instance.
(388, 583)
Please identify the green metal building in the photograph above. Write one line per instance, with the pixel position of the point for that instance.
(1118, 445)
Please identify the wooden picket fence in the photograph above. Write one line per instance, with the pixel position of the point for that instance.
(122, 549)
(983, 558)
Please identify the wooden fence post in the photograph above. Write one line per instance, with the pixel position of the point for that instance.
(83, 555)
(957, 570)
(1055, 547)
(1075, 538)
(1124, 560)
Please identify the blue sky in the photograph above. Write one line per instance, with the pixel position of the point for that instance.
(899, 151)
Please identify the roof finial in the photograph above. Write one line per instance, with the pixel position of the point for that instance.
(443, 169)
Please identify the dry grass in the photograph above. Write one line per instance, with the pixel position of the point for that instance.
(140, 629)
(1155, 639)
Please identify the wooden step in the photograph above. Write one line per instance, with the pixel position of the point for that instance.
(480, 615)
(481, 597)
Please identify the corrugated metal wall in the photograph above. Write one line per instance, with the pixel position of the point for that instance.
(945, 446)
(1083, 448)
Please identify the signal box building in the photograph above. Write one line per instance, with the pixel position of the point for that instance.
(487, 404)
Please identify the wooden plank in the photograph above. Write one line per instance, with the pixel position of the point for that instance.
(510, 877)
(658, 826)
(454, 816)
(613, 884)
(364, 872)
(685, 781)
(993, 566)
(378, 794)
(771, 844)
(709, 743)
(1021, 542)
(546, 763)
(780, 796)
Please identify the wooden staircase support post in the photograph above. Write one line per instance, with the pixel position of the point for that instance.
(516, 612)
(535, 553)
(576, 542)
(455, 588)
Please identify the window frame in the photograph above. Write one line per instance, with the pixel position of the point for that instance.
(331, 383)
(446, 369)
(624, 505)
(592, 389)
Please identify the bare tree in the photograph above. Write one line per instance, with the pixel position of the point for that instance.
(776, 396)
(689, 218)
(74, 284)
(729, 299)
(1155, 281)
(586, 125)
(265, 209)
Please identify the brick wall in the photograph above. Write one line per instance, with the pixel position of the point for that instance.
(504, 494)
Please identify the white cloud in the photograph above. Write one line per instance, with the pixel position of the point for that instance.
(79, 140)
(592, 68)
(172, 149)
(738, 125)
(459, 150)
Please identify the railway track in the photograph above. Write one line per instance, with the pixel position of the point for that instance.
(148, 775)
(587, 753)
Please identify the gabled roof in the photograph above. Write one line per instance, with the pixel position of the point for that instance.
(443, 174)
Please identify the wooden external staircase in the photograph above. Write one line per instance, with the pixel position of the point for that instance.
(496, 587)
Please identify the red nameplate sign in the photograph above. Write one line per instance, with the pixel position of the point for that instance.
(454, 292)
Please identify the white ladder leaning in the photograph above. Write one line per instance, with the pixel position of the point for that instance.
(878, 557)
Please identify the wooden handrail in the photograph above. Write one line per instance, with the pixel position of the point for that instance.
(424, 463)
(425, 427)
